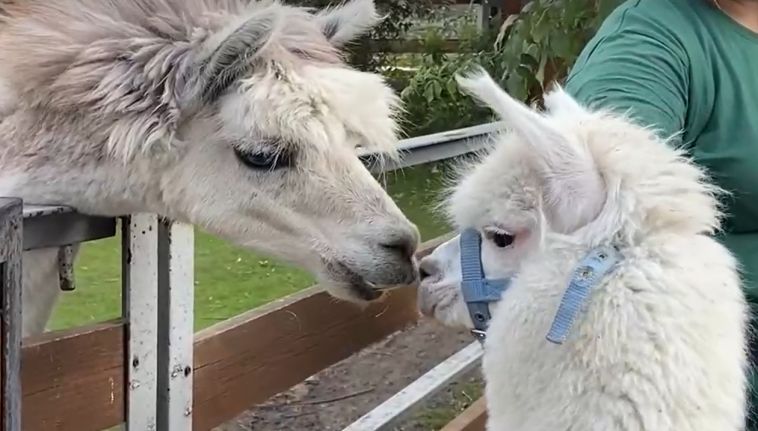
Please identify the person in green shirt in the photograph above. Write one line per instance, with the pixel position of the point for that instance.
(690, 67)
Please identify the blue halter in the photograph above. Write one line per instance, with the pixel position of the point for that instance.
(479, 292)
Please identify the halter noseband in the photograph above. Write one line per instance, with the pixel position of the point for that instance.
(479, 292)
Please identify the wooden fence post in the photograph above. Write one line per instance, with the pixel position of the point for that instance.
(11, 239)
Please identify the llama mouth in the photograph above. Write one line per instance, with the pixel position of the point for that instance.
(362, 288)
(366, 291)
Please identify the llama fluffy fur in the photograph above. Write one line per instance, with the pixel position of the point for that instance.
(661, 343)
(157, 106)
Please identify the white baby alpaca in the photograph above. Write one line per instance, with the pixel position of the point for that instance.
(661, 343)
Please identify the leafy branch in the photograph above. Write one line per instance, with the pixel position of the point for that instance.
(528, 52)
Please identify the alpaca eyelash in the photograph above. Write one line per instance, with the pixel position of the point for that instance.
(500, 237)
(494, 230)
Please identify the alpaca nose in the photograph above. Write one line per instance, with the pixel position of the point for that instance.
(428, 268)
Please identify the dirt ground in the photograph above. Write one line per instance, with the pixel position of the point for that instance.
(335, 397)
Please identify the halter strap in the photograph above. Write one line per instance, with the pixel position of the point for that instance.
(590, 271)
(478, 291)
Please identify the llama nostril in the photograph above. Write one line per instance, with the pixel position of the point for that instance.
(405, 246)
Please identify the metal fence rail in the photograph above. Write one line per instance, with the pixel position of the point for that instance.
(388, 414)
(11, 231)
(437, 146)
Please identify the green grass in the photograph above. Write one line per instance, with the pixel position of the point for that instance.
(228, 279)
(462, 395)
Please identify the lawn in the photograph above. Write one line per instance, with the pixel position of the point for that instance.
(228, 279)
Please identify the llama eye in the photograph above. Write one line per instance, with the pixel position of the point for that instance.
(262, 159)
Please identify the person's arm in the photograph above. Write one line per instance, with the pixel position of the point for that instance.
(637, 66)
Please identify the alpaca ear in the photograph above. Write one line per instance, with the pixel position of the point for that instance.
(573, 191)
(348, 21)
(560, 103)
(230, 53)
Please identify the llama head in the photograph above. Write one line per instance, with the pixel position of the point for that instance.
(568, 172)
(282, 145)
(242, 118)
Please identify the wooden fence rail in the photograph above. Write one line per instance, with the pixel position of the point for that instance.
(74, 379)
(473, 418)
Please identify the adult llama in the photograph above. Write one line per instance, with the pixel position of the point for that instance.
(586, 265)
(238, 116)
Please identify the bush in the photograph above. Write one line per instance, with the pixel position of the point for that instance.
(526, 54)
(399, 16)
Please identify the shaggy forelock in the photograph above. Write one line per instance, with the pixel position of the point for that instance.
(128, 63)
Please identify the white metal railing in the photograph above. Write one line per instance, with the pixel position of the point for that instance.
(158, 304)
(11, 230)
(388, 414)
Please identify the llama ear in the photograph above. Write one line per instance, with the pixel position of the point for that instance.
(229, 54)
(348, 21)
(573, 191)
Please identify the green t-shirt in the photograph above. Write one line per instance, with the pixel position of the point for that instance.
(683, 65)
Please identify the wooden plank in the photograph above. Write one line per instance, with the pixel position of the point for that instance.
(262, 353)
(247, 359)
(11, 237)
(73, 380)
(473, 418)
(510, 7)
(387, 415)
(175, 325)
(140, 311)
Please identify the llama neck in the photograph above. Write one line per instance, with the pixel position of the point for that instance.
(59, 163)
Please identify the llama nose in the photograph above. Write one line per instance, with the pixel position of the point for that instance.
(403, 242)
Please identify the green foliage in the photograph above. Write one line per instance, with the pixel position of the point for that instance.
(526, 54)
(431, 98)
(399, 16)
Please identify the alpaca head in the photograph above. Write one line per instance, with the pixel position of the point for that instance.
(568, 172)
(240, 117)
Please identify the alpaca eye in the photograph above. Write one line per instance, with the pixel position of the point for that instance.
(499, 237)
(262, 159)
(502, 240)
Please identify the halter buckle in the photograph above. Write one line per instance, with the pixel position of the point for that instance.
(479, 334)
